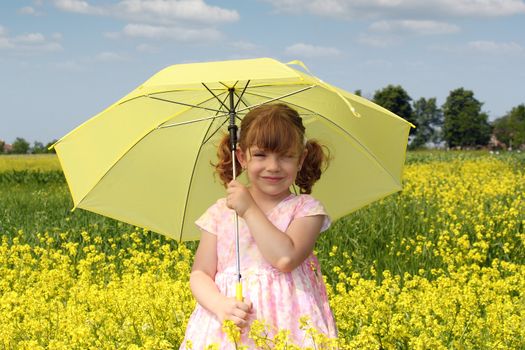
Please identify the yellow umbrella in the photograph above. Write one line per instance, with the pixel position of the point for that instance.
(145, 160)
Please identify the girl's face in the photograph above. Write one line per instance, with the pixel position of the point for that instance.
(269, 172)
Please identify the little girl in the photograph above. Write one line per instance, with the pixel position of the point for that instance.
(281, 277)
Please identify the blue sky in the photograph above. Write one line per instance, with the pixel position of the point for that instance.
(63, 61)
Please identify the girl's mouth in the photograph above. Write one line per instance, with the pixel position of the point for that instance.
(272, 178)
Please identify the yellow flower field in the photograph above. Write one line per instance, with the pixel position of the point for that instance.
(450, 276)
(41, 162)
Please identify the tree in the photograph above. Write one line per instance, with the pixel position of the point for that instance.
(2, 144)
(464, 124)
(396, 100)
(510, 129)
(20, 146)
(429, 119)
(38, 148)
(49, 145)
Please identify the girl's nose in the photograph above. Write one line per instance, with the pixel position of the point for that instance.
(273, 163)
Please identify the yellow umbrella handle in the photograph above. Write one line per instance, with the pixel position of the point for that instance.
(238, 291)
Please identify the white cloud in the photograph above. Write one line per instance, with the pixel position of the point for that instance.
(307, 50)
(492, 47)
(171, 11)
(182, 20)
(79, 6)
(5, 44)
(389, 33)
(482, 47)
(30, 43)
(28, 10)
(404, 8)
(381, 41)
(4, 41)
(483, 8)
(147, 48)
(86, 63)
(175, 33)
(154, 11)
(31, 38)
(419, 27)
(109, 57)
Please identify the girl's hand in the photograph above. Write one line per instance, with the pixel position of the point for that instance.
(237, 311)
(238, 197)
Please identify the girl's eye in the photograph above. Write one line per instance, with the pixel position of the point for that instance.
(258, 154)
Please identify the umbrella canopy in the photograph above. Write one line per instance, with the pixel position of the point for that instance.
(145, 160)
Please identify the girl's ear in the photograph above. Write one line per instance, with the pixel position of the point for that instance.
(241, 157)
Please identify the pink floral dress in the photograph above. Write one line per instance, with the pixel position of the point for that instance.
(279, 298)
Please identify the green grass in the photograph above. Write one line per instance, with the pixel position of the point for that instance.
(426, 156)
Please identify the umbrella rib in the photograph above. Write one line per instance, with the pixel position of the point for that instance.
(278, 99)
(182, 103)
(197, 120)
(141, 138)
(242, 94)
(367, 150)
(343, 130)
(192, 121)
(241, 110)
(193, 171)
(216, 130)
(218, 99)
(228, 87)
(205, 140)
(187, 89)
(241, 101)
(189, 189)
(275, 98)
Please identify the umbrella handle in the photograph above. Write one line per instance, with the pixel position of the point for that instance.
(232, 128)
(238, 291)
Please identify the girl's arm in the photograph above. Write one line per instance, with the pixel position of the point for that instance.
(205, 290)
(283, 250)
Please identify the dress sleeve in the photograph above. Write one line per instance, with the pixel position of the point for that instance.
(209, 220)
(309, 206)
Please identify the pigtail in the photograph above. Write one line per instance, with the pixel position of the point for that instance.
(314, 164)
(224, 167)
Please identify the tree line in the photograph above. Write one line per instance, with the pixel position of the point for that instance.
(22, 146)
(458, 123)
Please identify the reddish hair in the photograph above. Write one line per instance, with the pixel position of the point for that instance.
(275, 128)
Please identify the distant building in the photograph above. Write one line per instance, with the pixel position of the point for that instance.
(7, 148)
(494, 143)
